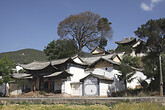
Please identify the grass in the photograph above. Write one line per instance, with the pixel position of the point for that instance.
(120, 106)
(138, 106)
(53, 107)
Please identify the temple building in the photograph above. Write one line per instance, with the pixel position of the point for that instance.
(74, 76)
(136, 47)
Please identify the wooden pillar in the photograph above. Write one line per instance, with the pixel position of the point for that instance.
(48, 84)
(34, 85)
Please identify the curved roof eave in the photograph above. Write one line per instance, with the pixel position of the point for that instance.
(37, 66)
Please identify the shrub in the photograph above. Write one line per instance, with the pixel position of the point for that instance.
(118, 94)
(24, 103)
(43, 103)
(42, 92)
(12, 102)
(143, 94)
(18, 103)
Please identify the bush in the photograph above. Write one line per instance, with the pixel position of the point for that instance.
(42, 92)
(143, 94)
(18, 103)
(12, 102)
(118, 94)
(24, 103)
(43, 103)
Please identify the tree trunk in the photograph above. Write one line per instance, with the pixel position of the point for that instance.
(79, 49)
(125, 88)
(161, 76)
(5, 89)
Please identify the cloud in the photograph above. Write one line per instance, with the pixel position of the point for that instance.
(150, 6)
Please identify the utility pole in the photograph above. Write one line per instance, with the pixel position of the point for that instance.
(161, 76)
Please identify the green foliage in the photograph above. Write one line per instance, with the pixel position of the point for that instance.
(5, 66)
(5, 70)
(124, 48)
(6, 78)
(104, 25)
(43, 103)
(60, 49)
(105, 30)
(103, 42)
(25, 56)
(132, 61)
(24, 103)
(12, 102)
(42, 92)
(151, 63)
(143, 94)
(18, 103)
(144, 84)
(82, 28)
(151, 69)
(154, 32)
(22, 71)
(126, 72)
(21, 82)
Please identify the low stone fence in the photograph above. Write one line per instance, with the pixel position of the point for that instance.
(82, 100)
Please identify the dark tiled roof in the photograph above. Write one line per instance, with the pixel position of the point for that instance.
(58, 73)
(101, 77)
(21, 75)
(35, 65)
(126, 40)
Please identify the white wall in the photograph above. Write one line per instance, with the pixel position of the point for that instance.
(18, 68)
(135, 82)
(104, 72)
(104, 88)
(78, 73)
(76, 89)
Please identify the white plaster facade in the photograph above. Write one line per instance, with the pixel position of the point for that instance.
(138, 76)
(74, 87)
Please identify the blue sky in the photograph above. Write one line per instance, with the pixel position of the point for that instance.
(33, 23)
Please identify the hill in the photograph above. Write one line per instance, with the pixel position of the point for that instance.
(25, 56)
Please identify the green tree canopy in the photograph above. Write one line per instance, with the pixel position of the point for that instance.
(5, 66)
(86, 29)
(124, 48)
(5, 71)
(126, 71)
(154, 34)
(60, 48)
(103, 42)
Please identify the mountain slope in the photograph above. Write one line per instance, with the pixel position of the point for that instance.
(25, 56)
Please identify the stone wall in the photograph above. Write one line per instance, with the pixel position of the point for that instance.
(84, 100)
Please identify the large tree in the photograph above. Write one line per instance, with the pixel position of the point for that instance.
(60, 48)
(154, 34)
(5, 71)
(126, 70)
(86, 29)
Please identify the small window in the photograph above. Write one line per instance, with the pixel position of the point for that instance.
(106, 68)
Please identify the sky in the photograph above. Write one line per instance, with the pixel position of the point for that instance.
(33, 23)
